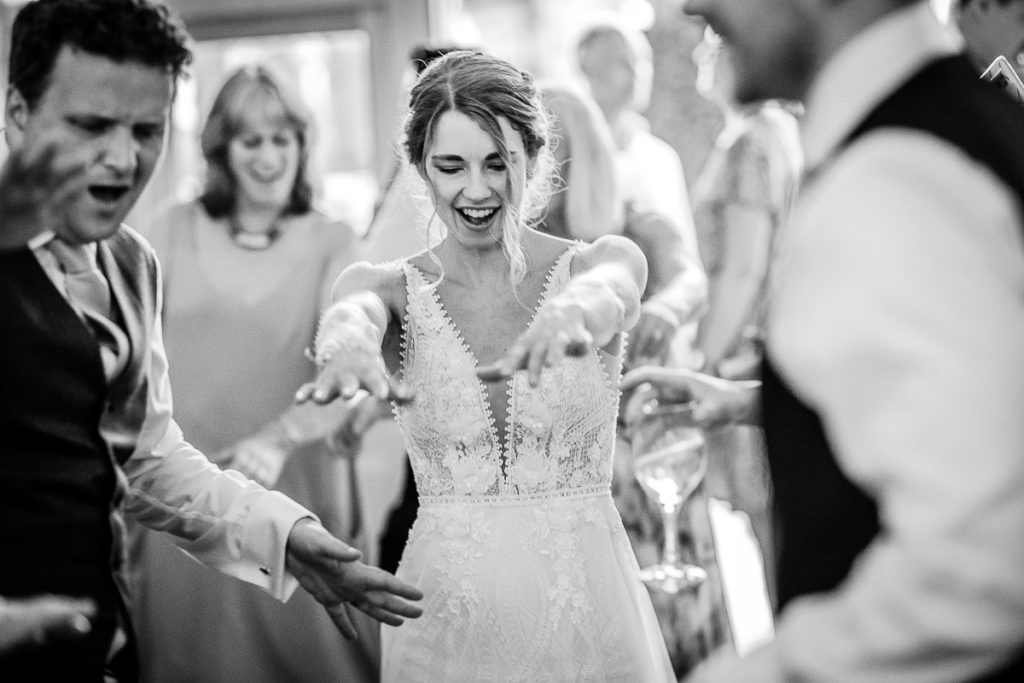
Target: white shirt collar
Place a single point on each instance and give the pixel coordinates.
(866, 70)
(37, 244)
(41, 240)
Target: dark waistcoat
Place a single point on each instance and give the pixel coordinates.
(825, 519)
(63, 435)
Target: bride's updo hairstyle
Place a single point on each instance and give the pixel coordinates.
(485, 88)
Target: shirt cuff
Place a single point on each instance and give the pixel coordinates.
(265, 542)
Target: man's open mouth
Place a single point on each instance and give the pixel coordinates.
(108, 193)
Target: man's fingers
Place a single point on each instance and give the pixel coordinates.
(397, 606)
(336, 550)
(391, 588)
(382, 615)
(339, 615)
(313, 544)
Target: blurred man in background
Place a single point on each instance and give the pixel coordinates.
(991, 28)
(893, 378)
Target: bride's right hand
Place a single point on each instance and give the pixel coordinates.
(346, 372)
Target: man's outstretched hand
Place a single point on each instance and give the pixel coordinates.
(37, 182)
(332, 573)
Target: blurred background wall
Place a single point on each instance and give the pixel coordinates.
(348, 58)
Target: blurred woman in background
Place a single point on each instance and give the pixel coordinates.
(740, 201)
(589, 203)
(247, 267)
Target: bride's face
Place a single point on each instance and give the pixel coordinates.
(470, 182)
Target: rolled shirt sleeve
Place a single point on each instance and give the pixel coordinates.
(218, 517)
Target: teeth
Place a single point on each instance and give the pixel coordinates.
(478, 213)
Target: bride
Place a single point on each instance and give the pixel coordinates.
(510, 342)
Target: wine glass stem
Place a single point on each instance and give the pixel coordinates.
(670, 517)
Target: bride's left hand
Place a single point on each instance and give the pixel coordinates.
(558, 330)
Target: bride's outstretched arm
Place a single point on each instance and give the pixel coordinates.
(600, 301)
(348, 342)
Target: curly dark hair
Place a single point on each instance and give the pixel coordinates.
(121, 30)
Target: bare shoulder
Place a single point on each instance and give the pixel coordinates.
(610, 249)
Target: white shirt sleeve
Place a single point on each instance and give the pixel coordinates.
(221, 518)
(901, 320)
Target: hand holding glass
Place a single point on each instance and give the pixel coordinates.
(669, 461)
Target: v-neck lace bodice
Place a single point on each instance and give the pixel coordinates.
(526, 571)
(558, 435)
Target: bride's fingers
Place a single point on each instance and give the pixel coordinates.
(305, 392)
(348, 386)
(400, 392)
(495, 372)
(503, 368)
(557, 350)
(536, 359)
(580, 344)
(375, 381)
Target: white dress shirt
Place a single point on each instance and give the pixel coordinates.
(900, 319)
(221, 518)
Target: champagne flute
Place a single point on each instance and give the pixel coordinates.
(669, 461)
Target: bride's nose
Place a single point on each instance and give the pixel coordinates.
(476, 188)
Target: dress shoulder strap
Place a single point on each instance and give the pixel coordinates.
(561, 272)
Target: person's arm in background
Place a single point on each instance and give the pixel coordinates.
(716, 402)
(758, 179)
(737, 289)
(677, 287)
(901, 320)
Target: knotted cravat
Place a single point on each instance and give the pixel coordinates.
(89, 293)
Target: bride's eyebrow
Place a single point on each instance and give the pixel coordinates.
(493, 156)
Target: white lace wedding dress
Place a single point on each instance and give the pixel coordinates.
(527, 571)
